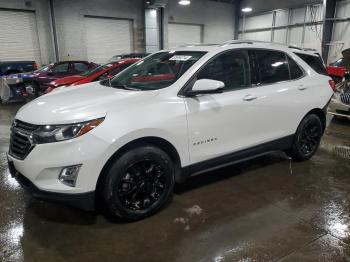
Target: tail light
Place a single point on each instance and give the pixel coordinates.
(35, 66)
(332, 84)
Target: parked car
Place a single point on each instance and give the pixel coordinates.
(176, 113)
(128, 55)
(15, 67)
(340, 103)
(41, 78)
(99, 73)
(337, 70)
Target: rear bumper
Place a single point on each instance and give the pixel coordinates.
(84, 201)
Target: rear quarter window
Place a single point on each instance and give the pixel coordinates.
(315, 62)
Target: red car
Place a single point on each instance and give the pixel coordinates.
(337, 70)
(102, 72)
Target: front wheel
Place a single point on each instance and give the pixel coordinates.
(307, 138)
(138, 183)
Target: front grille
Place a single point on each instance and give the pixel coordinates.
(345, 98)
(20, 144)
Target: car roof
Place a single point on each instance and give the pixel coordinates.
(233, 44)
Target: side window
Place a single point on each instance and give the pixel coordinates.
(60, 68)
(295, 70)
(81, 67)
(315, 62)
(232, 68)
(273, 66)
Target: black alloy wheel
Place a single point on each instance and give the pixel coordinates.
(138, 183)
(141, 185)
(307, 138)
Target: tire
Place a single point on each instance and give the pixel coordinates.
(307, 138)
(138, 184)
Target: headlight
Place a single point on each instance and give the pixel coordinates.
(56, 133)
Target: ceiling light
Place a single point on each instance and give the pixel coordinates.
(247, 9)
(184, 2)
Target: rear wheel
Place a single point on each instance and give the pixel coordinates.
(138, 183)
(307, 138)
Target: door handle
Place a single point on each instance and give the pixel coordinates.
(249, 97)
(302, 87)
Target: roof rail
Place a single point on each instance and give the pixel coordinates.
(302, 48)
(195, 44)
(231, 42)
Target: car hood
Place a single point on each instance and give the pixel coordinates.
(67, 80)
(346, 55)
(81, 103)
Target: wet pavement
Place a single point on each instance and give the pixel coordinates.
(267, 209)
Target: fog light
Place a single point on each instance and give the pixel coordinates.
(68, 175)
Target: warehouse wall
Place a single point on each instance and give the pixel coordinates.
(288, 26)
(41, 9)
(341, 31)
(70, 22)
(217, 19)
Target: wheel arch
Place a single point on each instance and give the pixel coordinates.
(321, 114)
(158, 142)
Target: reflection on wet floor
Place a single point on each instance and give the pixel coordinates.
(261, 210)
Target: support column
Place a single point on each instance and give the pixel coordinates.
(329, 12)
(53, 30)
(237, 18)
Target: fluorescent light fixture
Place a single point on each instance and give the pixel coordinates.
(184, 2)
(247, 9)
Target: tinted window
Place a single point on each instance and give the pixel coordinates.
(315, 62)
(60, 68)
(232, 68)
(295, 70)
(273, 66)
(81, 67)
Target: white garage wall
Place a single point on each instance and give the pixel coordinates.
(70, 23)
(217, 19)
(262, 27)
(42, 18)
(341, 31)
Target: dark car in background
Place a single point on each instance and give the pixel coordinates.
(40, 79)
(15, 67)
(99, 73)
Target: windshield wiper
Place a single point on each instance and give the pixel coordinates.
(125, 87)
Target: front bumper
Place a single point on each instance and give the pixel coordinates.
(39, 171)
(337, 108)
(85, 201)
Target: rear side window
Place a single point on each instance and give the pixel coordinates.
(315, 62)
(272, 65)
(295, 70)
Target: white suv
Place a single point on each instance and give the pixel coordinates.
(176, 113)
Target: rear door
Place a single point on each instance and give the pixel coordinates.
(279, 94)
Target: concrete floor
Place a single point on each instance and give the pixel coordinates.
(267, 209)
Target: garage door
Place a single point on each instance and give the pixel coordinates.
(18, 36)
(107, 37)
(180, 34)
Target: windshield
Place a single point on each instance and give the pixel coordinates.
(155, 72)
(96, 70)
(43, 68)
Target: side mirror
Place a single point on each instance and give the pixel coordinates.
(206, 86)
